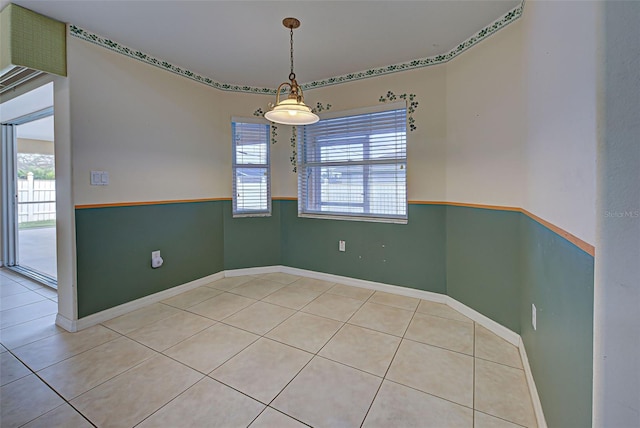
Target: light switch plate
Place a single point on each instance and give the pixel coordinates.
(96, 178)
(99, 178)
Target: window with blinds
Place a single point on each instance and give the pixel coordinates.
(251, 169)
(355, 167)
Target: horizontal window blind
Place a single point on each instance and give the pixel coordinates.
(355, 166)
(251, 169)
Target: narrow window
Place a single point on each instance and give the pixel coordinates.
(251, 169)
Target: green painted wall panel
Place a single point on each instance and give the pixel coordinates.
(558, 278)
(251, 241)
(114, 246)
(483, 269)
(410, 255)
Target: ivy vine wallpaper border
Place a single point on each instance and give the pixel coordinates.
(501, 22)
(412, 105)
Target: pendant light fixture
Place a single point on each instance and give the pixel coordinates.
(291, 111)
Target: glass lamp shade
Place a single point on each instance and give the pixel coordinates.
(291, 112)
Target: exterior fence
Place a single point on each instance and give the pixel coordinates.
(36, 199)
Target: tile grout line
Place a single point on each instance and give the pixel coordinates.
(208, 375)
(501, 418)
(499, 363)
(314, 355)
(25, 304)
(66, 358)
(36, 319)
(473, 385)
(164, 319)
(437, 346)
(430, 394)
(390, 364)
(170, 401)
(64, 400)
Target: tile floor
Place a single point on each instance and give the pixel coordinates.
(272, 350)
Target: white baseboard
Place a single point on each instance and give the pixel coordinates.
(66, 323)
(533, 391)
(371, 285)
(116, 311)
(253, 271)
(496, 328)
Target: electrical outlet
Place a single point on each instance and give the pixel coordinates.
(155, 254)
(534, 316)
(342, 246)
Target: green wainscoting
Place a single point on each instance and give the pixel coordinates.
(114, 245)
(251, 241)
(483, 264)
(558, 278)
(411, 255)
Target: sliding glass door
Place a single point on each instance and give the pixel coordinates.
(29, 194)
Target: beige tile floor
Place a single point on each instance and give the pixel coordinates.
(272, 350)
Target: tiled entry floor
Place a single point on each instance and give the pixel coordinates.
(273, 350)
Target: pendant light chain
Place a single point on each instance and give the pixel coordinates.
(292, 110)
(292, 76)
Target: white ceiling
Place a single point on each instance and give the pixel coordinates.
(244, 42)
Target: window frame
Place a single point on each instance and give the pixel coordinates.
(235, 166)
(366, 217)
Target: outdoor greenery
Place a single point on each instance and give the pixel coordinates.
(35, 224)
(42, 166)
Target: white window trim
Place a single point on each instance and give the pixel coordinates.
(268, 213)
(364, 218)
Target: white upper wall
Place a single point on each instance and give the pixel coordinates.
(485, 122)
(560, 47)
(164, 137)
(521, 117)
(160, 136)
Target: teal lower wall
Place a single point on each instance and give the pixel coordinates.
(114, 245)
(483, 263)
(558, 278)
(251, 241)
(499, 263)
(496, 262)
(411, 255)
(197, 239)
